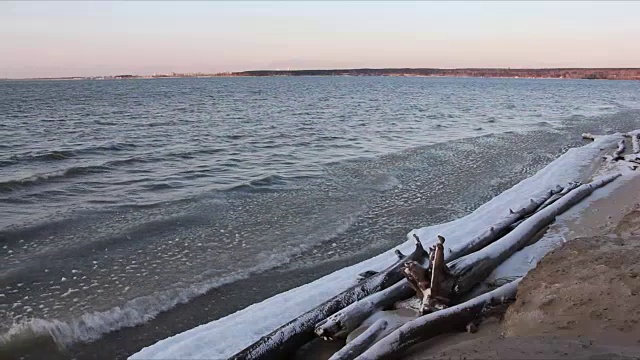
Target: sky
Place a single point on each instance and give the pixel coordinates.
(55, 39)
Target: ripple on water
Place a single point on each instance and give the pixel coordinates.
(170, 204)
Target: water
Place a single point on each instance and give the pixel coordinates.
(124, 199)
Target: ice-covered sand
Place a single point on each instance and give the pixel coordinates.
(224, 337)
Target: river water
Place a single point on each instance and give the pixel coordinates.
(167, 203)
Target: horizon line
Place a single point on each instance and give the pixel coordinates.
(231, 73)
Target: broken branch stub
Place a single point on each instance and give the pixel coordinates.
(617, 155)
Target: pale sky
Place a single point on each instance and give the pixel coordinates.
(48, 38)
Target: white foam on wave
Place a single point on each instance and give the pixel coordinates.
(91, 326)
(224, 337)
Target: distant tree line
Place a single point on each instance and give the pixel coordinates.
(560, 73)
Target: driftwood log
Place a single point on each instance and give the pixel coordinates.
(340, 324)
(448, 276)
(499, 229)
(360, 344)
(555, 197)
(420, 279)
(455, 318)
(551, 200)
(434, 293)
(473, 268)
(285, 340)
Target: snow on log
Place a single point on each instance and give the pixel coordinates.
(373, 332)
(635, 141)
(555, 197)
(428, 326)
(340, 324)
(343, 322)
(473, 268)
(617, 155)
(551, 200)
(588, 136)
(378, 330)
(500, 228)
(289, 337)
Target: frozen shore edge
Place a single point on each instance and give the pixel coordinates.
(224, 337)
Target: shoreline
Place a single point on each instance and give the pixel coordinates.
(127, 341)
(119, 343)
(580, 301)
(261, 318)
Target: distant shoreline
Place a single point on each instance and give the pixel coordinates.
(551, 73)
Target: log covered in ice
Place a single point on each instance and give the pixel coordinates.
(500, 228)
(288, 338)
(473, 268)
(455, 318)
(360, 344)
(348, 319)
(340, 324)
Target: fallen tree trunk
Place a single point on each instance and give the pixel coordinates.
(340, 324)
(343, 322)
(551, 200)
(455, 318)
(473, 268)
(376, 331)
(285, 340)
(555, 197)
(470, 270)
(497, 230)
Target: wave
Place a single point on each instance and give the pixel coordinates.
(37, 179)
(74, 171)
(267, 183)
(91, 326)
(56, 155)
(48, 156)
(192, 154)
